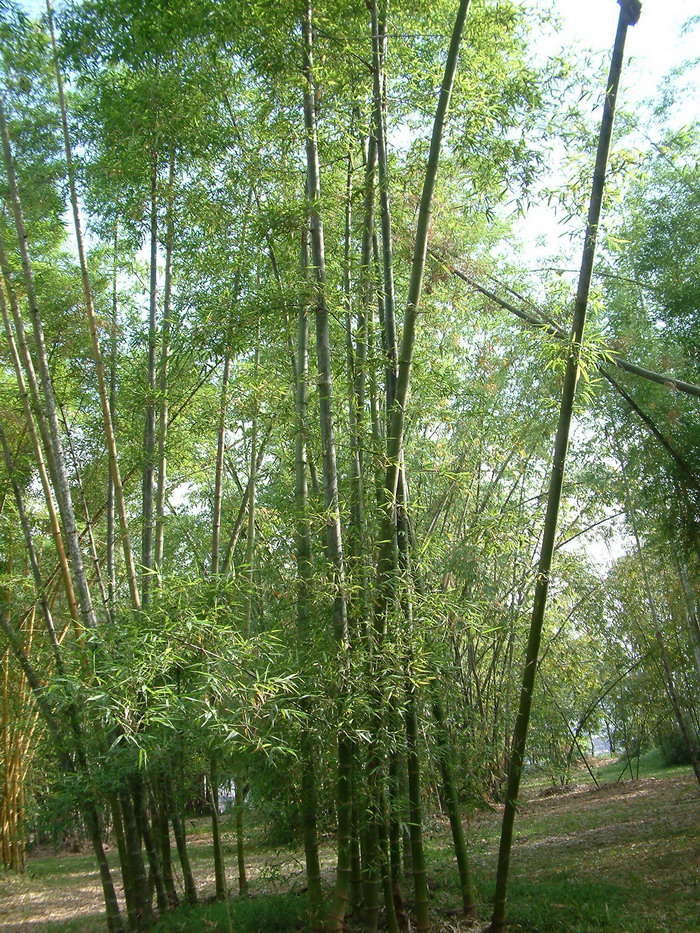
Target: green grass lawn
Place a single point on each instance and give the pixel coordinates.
(623, 857)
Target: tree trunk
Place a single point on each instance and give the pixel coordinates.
(161, 831)
(144, 825)
(137, 870)
(444, 751)
(240, 796)
(692, 616)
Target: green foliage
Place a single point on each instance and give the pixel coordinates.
(673, 746)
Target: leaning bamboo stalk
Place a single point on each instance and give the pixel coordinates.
(88, 523)
(629, 14)
(549, 326)
(31, 552)
(55, 451)
(38, 455)
(93, 328)
(541, 322)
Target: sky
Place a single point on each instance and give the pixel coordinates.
(653, 47)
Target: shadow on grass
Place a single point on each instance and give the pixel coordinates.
(271, 913)
(562, 905)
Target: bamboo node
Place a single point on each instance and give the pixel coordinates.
(632, 9)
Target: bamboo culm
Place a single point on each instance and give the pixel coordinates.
(629, 13)
(54, 450)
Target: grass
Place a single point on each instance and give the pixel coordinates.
(650, 764)
(623, 858)
(273, 913)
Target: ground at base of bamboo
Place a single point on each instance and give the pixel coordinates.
(621, 857)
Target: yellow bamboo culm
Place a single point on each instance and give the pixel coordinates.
(19, 744)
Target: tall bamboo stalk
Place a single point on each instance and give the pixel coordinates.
(55, 448)
(166, 326)
(219, 868)
(219, 467)
(386, 570)
(93, 327)
(252, 482)
(29, 416)
(110, 557)
(221, 433)
(180, 838)
(334, 539)
(378, 25)
(149, 428)
(304, 590)
(629, 14)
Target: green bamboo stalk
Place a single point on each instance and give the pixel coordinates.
(219, 870)
(629, 14)
(180, 839)
(149, 430)
(32, 409)
(379, 41)
(334, 540)
(163, 411)
(92, 324)
(54, 450)
(304, 589)
(386, 569)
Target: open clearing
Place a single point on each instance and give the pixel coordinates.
(623, 857)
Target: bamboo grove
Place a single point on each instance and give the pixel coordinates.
(277, 420)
